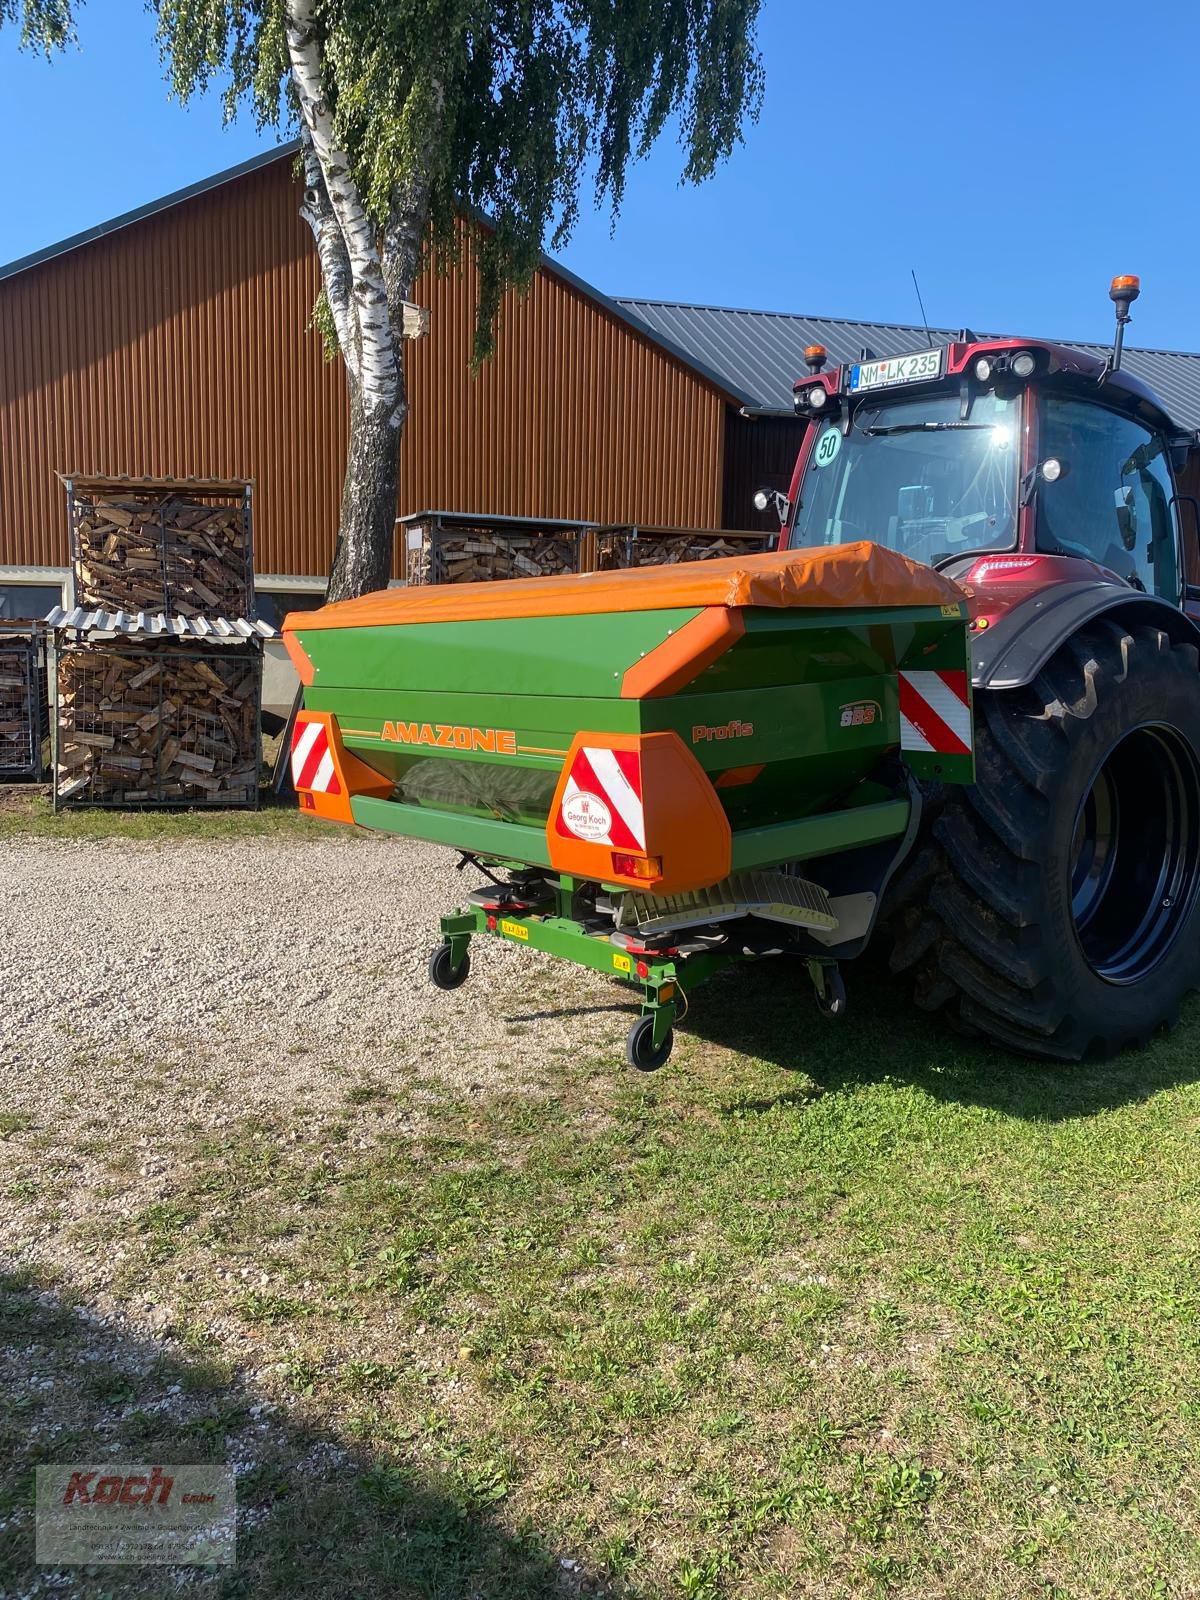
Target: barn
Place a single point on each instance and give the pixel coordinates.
(177, 340)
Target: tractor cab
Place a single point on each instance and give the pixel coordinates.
(1008, 464)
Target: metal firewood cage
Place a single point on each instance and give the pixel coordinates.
(151, 747)
(22, 703)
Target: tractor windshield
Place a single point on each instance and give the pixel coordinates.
(915, 475)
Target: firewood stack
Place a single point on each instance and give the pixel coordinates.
(156, 722)
(148, 550)
(653, 547)
(142, 717)
(457, 547)
(20, 754)
(469, 554)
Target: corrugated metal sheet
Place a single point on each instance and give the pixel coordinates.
(179, 343)
(158, 624)
(762, 352)
(176, 346)
(577, 416)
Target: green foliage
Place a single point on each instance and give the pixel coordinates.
(498, 109)
(46, 25)
(322, 322)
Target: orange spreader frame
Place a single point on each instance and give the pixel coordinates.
(685, 825)
(354, 776)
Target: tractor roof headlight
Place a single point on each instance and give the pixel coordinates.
(983, 369)
(1024, 364)
(817, 398)
(762, 499)
(1052, 469)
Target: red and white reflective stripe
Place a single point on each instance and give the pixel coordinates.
(613, 778)
(935, 713)
(312, 760)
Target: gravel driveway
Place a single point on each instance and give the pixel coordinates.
(263, 970)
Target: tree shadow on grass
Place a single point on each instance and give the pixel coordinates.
(315, 1516)
(766, 1010)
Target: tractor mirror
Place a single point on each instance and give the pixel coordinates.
(1126, 516)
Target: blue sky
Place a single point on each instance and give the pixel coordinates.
(1016, 155)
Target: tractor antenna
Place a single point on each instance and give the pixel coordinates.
(921, 303)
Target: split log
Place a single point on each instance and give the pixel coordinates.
(143, 723)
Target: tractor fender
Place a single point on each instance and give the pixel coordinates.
(1012, 652)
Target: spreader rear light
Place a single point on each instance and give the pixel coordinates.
(644, 867)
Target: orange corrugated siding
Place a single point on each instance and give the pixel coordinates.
(180, 345)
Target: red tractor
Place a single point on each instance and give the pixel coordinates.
(1054, 905)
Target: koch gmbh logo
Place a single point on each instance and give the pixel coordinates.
(182, 1515)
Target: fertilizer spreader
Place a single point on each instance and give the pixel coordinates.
(658, 772)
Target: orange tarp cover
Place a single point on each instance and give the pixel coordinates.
(857, 575)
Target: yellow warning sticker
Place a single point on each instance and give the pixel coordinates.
(952, 611)
(515, 930)
(622, 963)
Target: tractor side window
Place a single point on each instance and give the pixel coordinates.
(1112, 502)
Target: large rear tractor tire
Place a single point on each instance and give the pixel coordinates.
(1055, 906)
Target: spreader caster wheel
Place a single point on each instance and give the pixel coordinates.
(442, 974)
(640, 1051)
(831, 994)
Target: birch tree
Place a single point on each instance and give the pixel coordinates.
(420, 117)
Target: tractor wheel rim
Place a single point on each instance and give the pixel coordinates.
(1135, 853)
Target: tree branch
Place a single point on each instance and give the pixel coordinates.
(331, 250)
(407, 222)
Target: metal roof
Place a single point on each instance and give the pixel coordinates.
(157, 624)
(762, 352)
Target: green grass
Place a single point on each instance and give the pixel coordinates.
(26, 813)
(819, 1310)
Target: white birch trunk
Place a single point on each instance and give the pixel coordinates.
(375, 360)
(368, 273)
